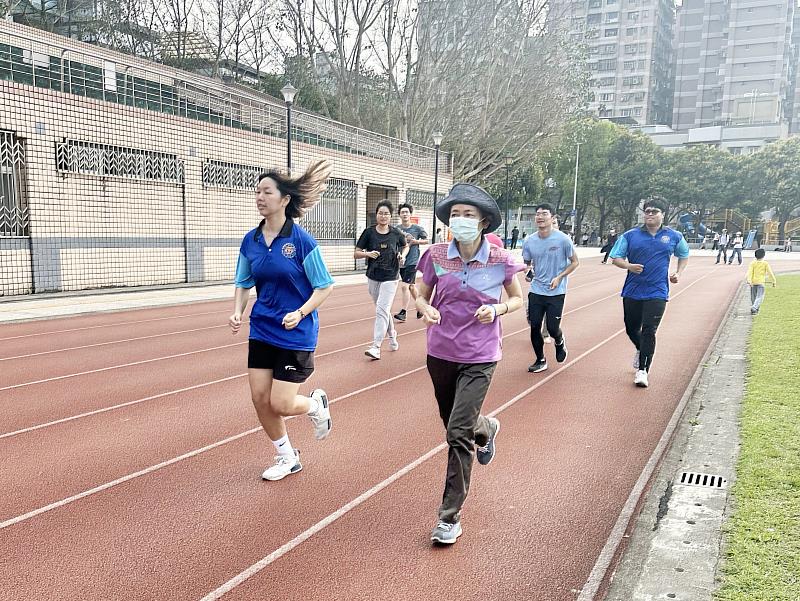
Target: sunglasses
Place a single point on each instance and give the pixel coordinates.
(652, 211)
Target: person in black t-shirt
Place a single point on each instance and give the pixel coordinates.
(385, 249)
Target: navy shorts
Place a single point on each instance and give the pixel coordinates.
(286, 365)
(408, 274)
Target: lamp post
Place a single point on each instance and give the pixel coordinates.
(575, 188)
(509, 161)
(437, 142)
(288, 92)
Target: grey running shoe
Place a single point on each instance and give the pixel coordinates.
(539, 365)
(486, 454)
(636, 360)
(446, 533)
(393, 344)
(284, 466)
(321, 418)
(561, 350)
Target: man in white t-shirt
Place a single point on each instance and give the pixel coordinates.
(738, 244)
(724, 238)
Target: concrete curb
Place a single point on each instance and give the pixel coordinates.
(675, 544)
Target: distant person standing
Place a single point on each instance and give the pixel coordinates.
(787, 244)
(758, 273)
(552, 256)
(593, 238)
(738, 243)
(715, 246)
(415, 237)
(722, 249)
(514, 237)
(645, 253)
(385, 249)
(585, 239)
(612, 239)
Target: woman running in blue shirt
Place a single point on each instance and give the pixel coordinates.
(284, 263)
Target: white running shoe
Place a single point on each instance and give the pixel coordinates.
(373, 352)
(393, 344)
(548, 340)
(636, 360)
(321, 418)
(284, 466)
(641, 378)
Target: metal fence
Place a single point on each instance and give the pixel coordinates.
(89, 158)
(113, 77)
(14, 219)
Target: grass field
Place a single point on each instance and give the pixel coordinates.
(763, 536)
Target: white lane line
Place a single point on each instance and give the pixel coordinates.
(108, 325)
(151, 469)
(361, 499)
(112, 367)
(123, 479)
(171, 392)
(96, 344)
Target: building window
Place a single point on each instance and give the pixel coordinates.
(14, 218)
(595, 3)
(610, 33)
(625, 112)
(612, 17)
(630, 31)
(633, 15)
(607, 97)
(607, 65)
(593, 19)
(637, 111)
(606, 81)
(218, 174)
(73, 156)
(629, 65)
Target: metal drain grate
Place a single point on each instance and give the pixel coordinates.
(707, 480)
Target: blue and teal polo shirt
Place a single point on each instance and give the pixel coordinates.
(285, 275)
(653, 251)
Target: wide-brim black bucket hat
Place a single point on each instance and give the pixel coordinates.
(476, 196)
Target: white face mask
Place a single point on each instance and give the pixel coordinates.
(465, 229)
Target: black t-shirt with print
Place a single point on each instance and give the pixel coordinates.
(387, 266)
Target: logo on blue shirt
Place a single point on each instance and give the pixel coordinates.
(288, 250)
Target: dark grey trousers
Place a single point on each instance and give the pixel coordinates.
(460, 389)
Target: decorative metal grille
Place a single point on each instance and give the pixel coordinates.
(334, 218)
(73, 156)
(218, 174)
(420, 199)
(14, 218)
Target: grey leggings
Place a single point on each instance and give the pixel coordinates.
(382, 294)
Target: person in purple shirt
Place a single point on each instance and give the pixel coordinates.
(468, 276)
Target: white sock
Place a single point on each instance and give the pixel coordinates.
(313, 405)
(283, 446)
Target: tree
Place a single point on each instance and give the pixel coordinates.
(774, 179)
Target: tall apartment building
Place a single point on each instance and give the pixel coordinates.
(735, 63)
(629, 46)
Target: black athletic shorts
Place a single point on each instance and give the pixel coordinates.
(286, 365)
(408, 274)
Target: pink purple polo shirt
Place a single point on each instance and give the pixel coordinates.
(460, 288)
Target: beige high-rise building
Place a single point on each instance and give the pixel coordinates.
(629, 46)
(735, 64)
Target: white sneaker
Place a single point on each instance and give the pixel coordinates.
(373, 352)
(321, 418)
(393, 344)
(548, 340)
(284, 466)
(641, 378)
(636, 360)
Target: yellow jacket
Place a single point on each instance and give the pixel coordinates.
(758, 271)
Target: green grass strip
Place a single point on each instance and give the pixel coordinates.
(763, 536)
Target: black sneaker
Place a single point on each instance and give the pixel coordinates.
(561, 350)
(486, 454)
(446, 533)
(401, 316)
(538, 366)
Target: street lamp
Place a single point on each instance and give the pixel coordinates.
(288, 92)
(575, 187)
(437, 142)
(509, 161)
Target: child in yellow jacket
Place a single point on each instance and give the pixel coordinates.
(758, 273)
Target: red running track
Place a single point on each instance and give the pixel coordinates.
(131, 456)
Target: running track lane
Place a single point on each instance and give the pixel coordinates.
(226, 489)
(94, 450)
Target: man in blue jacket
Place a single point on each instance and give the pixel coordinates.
(645, 252)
